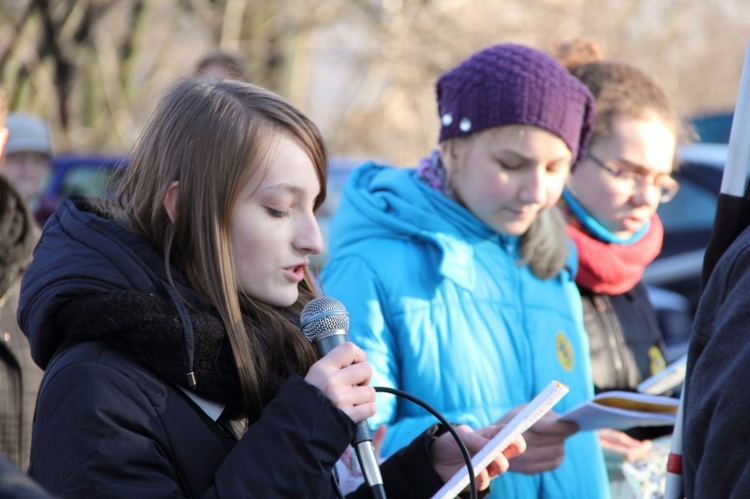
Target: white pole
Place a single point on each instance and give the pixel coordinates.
(738, 153)
(673, 486)
(733, 183)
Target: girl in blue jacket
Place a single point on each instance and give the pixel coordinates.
(458, 276)
(168, 321)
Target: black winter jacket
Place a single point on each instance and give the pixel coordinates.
(113, 418)
(626, 342)
(126, 432)
(716, 436)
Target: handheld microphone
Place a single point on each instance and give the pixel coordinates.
(325, 322)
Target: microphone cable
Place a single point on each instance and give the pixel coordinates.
(325, 322)
(434, 412)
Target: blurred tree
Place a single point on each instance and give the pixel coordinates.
(363, 69)
(91, 67)
(695, 48)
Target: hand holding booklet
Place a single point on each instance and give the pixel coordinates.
(622, 410)
(530, 414)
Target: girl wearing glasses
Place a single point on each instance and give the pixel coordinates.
(610, 203)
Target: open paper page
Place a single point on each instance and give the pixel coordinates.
(521, 422)
(666, 380)
(623, 410)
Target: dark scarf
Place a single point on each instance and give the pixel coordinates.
(150, 328)
(609, 267)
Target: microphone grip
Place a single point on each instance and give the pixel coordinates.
(362, 441)
(369, 465)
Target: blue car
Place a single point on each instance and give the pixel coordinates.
(86, 175)
(688, 221)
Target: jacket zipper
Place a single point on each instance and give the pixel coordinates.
(610, 327)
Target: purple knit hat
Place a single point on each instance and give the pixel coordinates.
(514, 84)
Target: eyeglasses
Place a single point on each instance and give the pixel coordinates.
(628, 181)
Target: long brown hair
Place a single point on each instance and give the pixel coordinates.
(213, 137)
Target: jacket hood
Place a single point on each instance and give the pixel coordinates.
(380, 202)
(82, 252)
(89, 273)
(92, 279)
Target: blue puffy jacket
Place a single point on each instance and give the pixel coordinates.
(444, 311)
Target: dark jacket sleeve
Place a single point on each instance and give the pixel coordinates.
(716, 457)
(100, 432)
(122, 432)
(291, 450)
(95, 433)
(409, 472)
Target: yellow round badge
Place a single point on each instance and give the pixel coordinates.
(656, 360)
(565, 355)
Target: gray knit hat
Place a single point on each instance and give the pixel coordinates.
(513, 84)
(27, 133)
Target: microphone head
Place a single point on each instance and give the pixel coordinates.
(323, 315)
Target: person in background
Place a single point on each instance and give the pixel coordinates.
(28, 162)
(610, 204)
(19, 376)
(168, 321)
(220, 64)
(458, 275)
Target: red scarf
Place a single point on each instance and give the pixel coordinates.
(613, 269)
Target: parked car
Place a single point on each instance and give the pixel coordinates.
(339, 169)
(688, 221)
(674, 277)
(713, 127)
(87, 175)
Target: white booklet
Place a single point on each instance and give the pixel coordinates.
(521, 422)
(623, 410)
(667, 380)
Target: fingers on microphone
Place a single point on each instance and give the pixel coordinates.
(355, 374)
(358, 402)
(347, 354)
(347, 396)
(361, 412)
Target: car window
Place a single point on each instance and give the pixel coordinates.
(339, 170)
(693, 208)
(86, 180)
